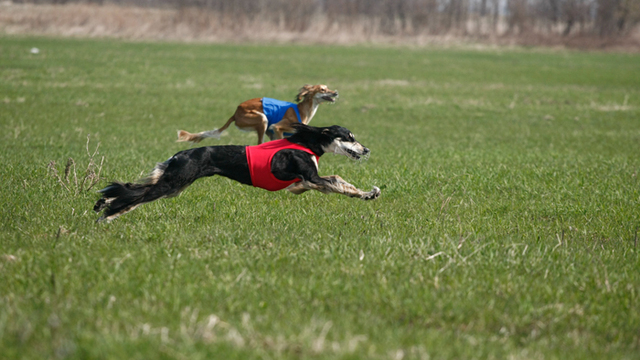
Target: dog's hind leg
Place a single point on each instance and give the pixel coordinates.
(119, 198)
(333, 184)
(166, 180)
(261, 129)
(171, 177)
(253, 120)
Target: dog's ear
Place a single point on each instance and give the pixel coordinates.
(303, 92)
(306, 130)
(327, 133)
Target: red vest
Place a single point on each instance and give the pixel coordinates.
(259, 158)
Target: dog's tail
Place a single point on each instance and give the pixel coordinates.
(196, 138)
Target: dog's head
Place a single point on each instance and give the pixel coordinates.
(319, 93)
(332, 139)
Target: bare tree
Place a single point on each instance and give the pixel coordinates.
(605, 18)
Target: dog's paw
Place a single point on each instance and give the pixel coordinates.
(373, 194)
(100, 204)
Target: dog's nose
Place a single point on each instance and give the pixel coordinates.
(366, 151)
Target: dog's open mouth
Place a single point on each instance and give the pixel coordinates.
(330, 98)
(358, 155)
(355, 155)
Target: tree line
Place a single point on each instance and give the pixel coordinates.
(603, 18)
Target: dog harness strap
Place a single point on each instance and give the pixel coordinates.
(259, 158)
(274, 110)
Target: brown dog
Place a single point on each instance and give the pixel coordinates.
(273, 117)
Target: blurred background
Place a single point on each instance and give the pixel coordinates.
(570, 23)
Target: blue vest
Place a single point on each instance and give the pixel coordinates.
(275, 109)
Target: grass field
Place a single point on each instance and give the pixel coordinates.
(507, 226)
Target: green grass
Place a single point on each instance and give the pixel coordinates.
(507, 225)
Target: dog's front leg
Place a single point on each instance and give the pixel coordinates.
(335, 184)
(297, 188)
(277, 131)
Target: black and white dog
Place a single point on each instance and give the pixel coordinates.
(288, 163)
